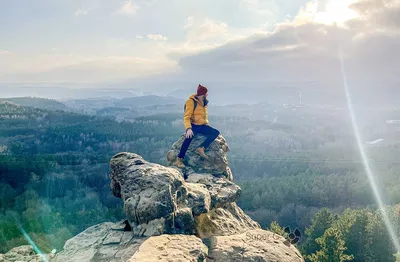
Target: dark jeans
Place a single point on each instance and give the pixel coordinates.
(210, 133)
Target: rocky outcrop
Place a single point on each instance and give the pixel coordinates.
(199, 198)
(154, 196)
(217, 163)
(254, 245)
(222, 221)
(22, 254)
(171, 248)
(222, 191)
(107, 242)
(170, 218)
(157, 200)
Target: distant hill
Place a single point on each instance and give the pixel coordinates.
(95, 105)
(65, 91)
(112, 110)
(145, 101)
(43, 103)
(29, 130)
(34, 117)
(119, 113)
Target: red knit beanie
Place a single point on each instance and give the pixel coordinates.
(201, 90)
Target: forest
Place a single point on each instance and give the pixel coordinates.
(300, 168)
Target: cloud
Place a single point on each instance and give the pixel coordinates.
(116, 42)
(5, 52)
(326, 12)
(81, 11)
(128, 8)
(205, 29)
(189, 22)
(306, 48)
(204, 34)
(93, 70)
(377, 15)
(157, 37)
(220, 45)
(260, 7)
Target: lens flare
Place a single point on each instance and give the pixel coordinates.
(37, 250)
(368, 170)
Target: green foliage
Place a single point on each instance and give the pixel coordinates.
(38, 102)
(54, 168)
(380, 246)
(357, 234)
(320, 223)
(332, 248)
(277, 229)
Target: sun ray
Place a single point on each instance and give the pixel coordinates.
(364, 158)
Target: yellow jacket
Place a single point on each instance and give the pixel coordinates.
(199, 116)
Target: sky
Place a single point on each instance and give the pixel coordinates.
(97, 41)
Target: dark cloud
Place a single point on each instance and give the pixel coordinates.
(370, 44)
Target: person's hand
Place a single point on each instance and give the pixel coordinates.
(189, 133)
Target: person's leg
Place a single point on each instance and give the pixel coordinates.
(184, 147)
(187, 142)
(210, 133)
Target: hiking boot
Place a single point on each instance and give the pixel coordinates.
(179, 163)
(200, 151)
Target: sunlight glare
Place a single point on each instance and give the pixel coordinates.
(336, 11)
(35, 248)
(363, 155)
(331, 12)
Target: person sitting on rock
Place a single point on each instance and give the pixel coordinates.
(196, 122)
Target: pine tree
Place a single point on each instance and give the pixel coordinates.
(277, 229)
(320, 223)
(332, 248)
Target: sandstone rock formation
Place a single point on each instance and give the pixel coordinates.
(254, 245)
(22, 254)
(157, 200)
(217, 164)
(171, 248)
(222, 221)
(169, 218)
(154, 196)
(109, 242)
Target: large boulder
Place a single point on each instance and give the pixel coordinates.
(222, 191)
(227, 220)
(171, 248)
(22, 254)
(157, 200)
(107, 242)
(155, 197)
(255, 245)
(199, 198)
(217, 162)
